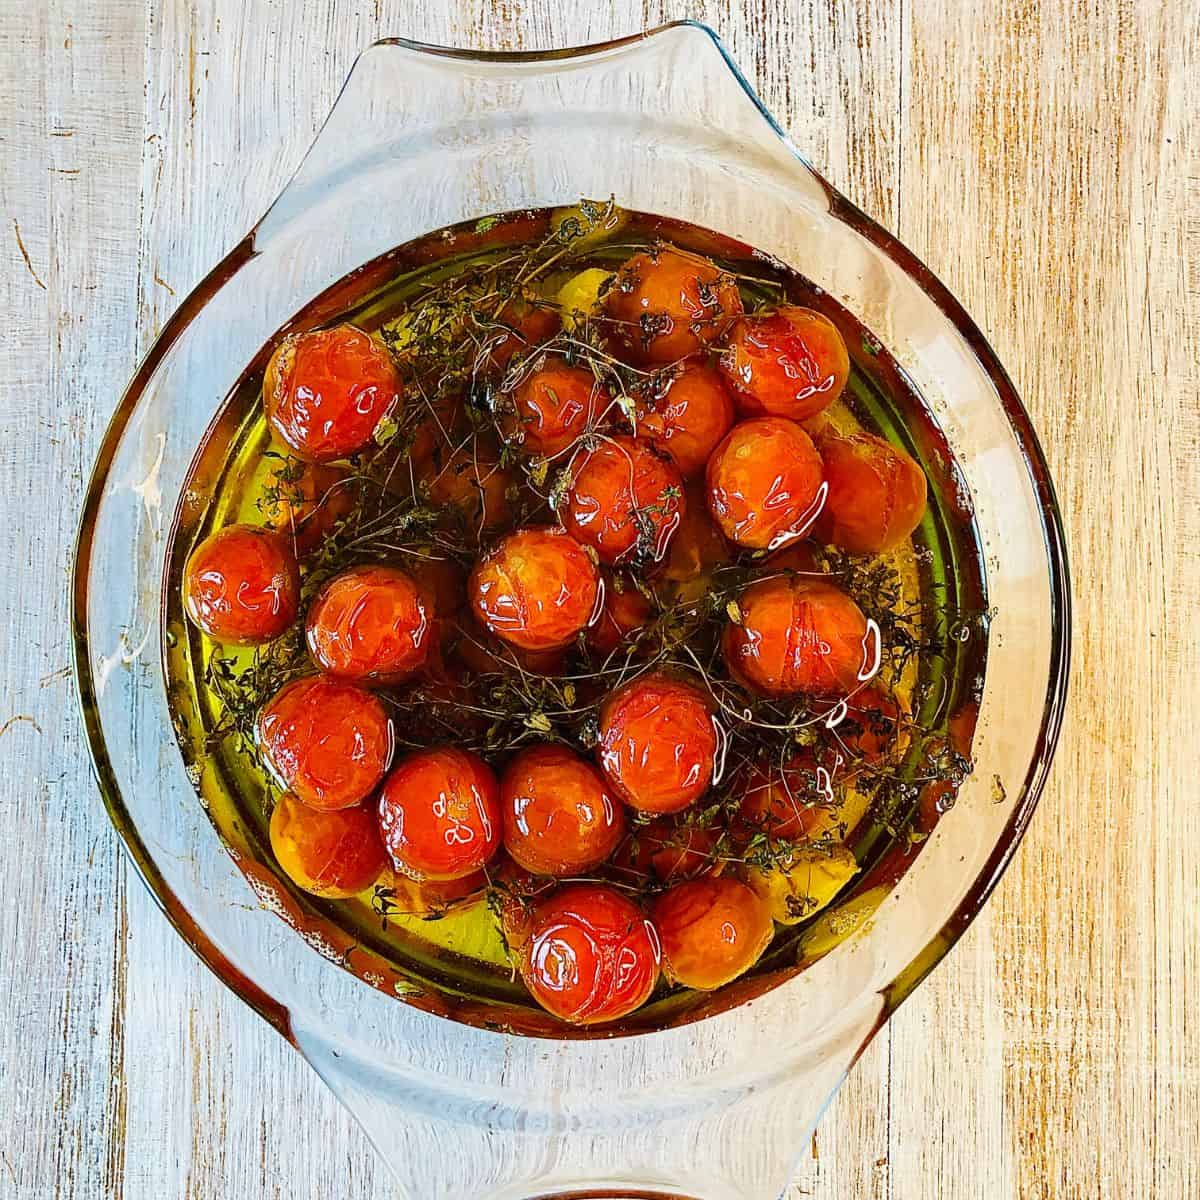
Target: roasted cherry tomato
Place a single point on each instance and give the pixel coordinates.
(515, 894)
(626, 501)
(537, 589)
(712, 930)
(765, 484)
(242, 585)
(439, 812)
(876, 494)
(472, 480)
(329, 741)
(623, 616)
(590, 955)
(698, 545)
(659, 743)
(867, 731)
(553, 405)
(560, 817)
(686, 412)
(370, 624)
(330, 854)
(672, 850)
(325, 391)
(482, 653)
(521, 325)
(666, 304)
(799, 635)
(790, 363)
(792, 802)
(304, 501)
(443, 582)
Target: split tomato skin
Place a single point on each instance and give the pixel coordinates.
(560, 815)
(790, 363)
(241, 585)
(687, 414)
(590, 955)
(799, 636)
(765, 483)
(667, 303)
(439, 813)
(370, 624)
(659, 743)
(536, 590)
(626, 501)
(877, 494)
(333, 855)
(554, 405)
(712, 930)
(325, 391)
(329, 742)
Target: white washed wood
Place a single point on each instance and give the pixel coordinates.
(1042, 159)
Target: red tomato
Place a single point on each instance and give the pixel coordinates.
(659, 743)
(242, 585)
(876, 494)
(471, 480)
(305, 501)
(483, 654)
(441, 580)
(325, 391)
(625, 613)
(553, 405)
(793, 803)
(330, 854)
(590, 955)
(515, 895)
(791, 363)
(698, 544)
(687, 414)
(672, 850)
(537, 589)
(712, 930)
(439, 812)
(867, 730)
(799, 635)
(423, 897)
(370, 624)
(626, 501)
(765, 484)
(329, 742)
(667, 304)
(520, 326)
(559, 818)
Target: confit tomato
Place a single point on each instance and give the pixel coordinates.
(626, 501)
(670, 849)
(554, 405)
(792, 802)
(241, 585)
(328, 741)
(876, 497)
(666, 304)
(765, 483)
(687, 412)
(439, 812)
(698, 545)
(325, 391)
(521, 325)
(536, 590)
(370, 624)
(589, 955)
(867, 731)
(330, 854)
(560, 817)
(712, 930)
(471, 480)
(659, 743)
(304, 501)
(799, 635)
(624, 614)
(789, 363)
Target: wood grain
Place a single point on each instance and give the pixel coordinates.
(1043, 159)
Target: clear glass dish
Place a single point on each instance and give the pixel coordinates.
(718, 1108)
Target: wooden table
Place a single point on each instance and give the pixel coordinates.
(1043, 159)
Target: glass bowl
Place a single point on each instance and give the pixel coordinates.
(424, 137)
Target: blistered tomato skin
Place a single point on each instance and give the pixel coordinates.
(590, 955)
(624, 614)
(659, 743)
(536, 590)
(712, 930)
(765, 483)
(305, 505)
(371, 625)
(877, 494)
(626, 501)
(241, 585)
(439, 812)
(790, 363)
(329, 854)
(560, 816)
(554, 405)
(325, 391)
(328, 741)
(666, 304)
(687, 415)
(797, 635)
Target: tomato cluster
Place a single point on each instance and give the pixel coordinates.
(704, 463)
